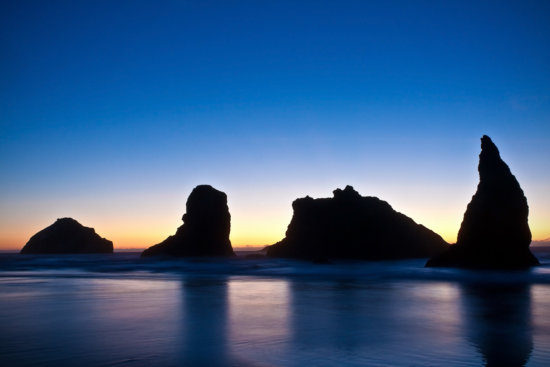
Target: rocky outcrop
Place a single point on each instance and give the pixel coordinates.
(205, 229)
(350, 226)
(494, 232)
(67, 236)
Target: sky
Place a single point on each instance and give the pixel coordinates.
(112, 111)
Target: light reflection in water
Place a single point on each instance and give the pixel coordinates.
(258, 311)
(437, 309)
(540, 316)
(130, 315)
(57, 321)
(252, 321)
(258, 318)
(231, 321)
(497, 321)
(382, 323)
(204, 339)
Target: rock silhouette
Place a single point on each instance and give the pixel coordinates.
(205, 228)
(354, 227)
(497, 320)
(67, 236)
(494, 232)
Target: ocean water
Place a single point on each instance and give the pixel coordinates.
(120, 310)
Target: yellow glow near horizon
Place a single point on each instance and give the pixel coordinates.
(259, 233)
(246, 231)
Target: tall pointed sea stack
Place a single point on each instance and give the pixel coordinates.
(494, 232)
(67, 236)
(205, 231)
(350, 226)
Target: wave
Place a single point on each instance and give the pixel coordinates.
(131, 265)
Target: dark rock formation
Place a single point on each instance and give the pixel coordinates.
(205, 231)
(67, 236)
(353, 227)
(494, 232)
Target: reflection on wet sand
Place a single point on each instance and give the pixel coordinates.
(332, 315)
(372, 324)
(204, 322)
(259, 316)
(497, 321)
(230, 322)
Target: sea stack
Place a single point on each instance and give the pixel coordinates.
(349, 226)
(494, 232)
(67, 236)
(205, 228)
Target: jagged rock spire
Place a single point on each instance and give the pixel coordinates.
(495, 231)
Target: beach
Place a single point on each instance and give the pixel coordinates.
(120, 310)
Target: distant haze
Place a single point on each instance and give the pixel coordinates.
(545, 242)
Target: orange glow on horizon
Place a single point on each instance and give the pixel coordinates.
(257, 235)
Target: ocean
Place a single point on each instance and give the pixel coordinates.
(121, 310)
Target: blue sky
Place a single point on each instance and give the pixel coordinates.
(112, 111)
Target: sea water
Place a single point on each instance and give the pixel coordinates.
(121, 310)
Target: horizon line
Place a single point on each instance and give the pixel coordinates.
(534, 243)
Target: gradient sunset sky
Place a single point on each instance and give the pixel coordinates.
(112, 111)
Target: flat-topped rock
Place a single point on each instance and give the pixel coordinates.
(495, 231)
(205, 229)
(67, 236)
(350, 226)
